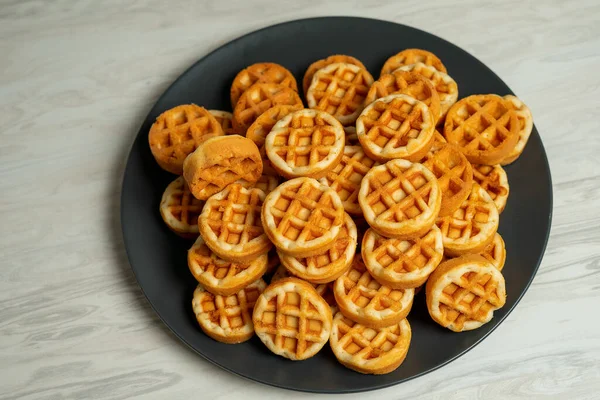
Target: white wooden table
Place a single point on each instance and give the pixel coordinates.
(78, 77)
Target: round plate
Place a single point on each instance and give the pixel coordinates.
(158, 257)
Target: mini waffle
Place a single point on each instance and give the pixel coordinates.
(225, 119)
(396, 126)
(305, 143)
(291, 319)
(495, 252)
(180, 209)
(412, 56)
(340, 90)
(472, 226)
(219, 162)
(484, 127)
(345, 177)
(364, 300)
(329, 265)
(303, 217)
(317, 65)
(178, 132)
(227, 319)
(261, 73)
(368, 350)
(258, 131)
(257, 99)
(409, 83)
(463, 293)
(494, 180)
(400, 199)
(230, 224)
(454, 174)
(220, 276)
(402, 264)
(525, 126)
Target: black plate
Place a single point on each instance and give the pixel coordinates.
(158, 257)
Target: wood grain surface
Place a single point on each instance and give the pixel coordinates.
(78, 77)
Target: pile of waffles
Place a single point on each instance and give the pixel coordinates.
(376, 190)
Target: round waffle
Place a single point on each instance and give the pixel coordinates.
(400, 199)
(329, 265)
(454, 174)
(494, 180)
(291, 319)
(258, 131)
(396, 126)
(178, 132)
(364, 300)
(472, 226)
(351, 136)
(317, 65)
(445, 86)
(305, 143)
(340, 89)
(463, 293)
(484, 128)
(219, 162)
(525, 126)
(257, 99)
(325, 290)
(402, 264)
(180, 210)
(409, 83)
(220, 276)
(495, 252)
(261, 73)
(225, 119)
(303, 217)
(368, 350)
(345, 177)
(230, 224)
(227, 319)
(412, 56)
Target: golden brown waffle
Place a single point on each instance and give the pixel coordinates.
(258, 131)
(484, 128)
(396, 126)
(495, 252)
(367, 350)
(340, 89)
(219, 276)
(409, 83)
(400, 199)
(219, 162)
(402, 264)
(178, 132)
(266, 183)
(494, 180)
(525, 126)
(305, 143)
(230, 224)
(257, 99)
(225, 119)
(303, 217)
(325, 290)
(291, 319)
(445, 86)
(227, 319)
(345, 177)
(351, 136)
(329, 265)
(261, 73)
(463, 293)
(317, 65)
(364, 300)
(412, 56)
(454, 174)
(180, 209)
(472, 226)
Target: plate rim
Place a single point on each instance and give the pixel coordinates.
(307, 390)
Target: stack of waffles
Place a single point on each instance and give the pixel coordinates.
(321, 224)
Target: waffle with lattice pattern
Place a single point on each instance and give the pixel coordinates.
(525, 127)
(261, 73)
(225, 119)
(494, 180)
(412, 56)
(317, 65)
(180, 209)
